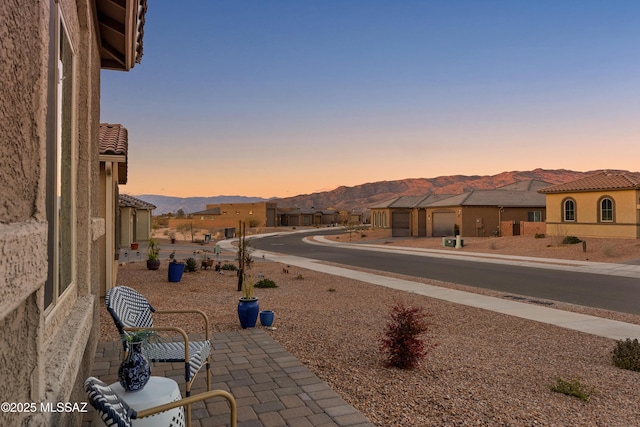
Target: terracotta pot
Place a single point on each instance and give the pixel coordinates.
(134, 246)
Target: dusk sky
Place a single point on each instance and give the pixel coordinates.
(280, 98)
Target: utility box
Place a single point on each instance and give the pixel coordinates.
(450, 242)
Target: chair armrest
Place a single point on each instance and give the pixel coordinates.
(192, 399)
(201, 313)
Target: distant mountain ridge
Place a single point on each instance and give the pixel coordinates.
(364, 195)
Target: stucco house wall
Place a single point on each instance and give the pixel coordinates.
(587, 223)
(259, 214)
(586, 194)
(48, 337)
(46, 351)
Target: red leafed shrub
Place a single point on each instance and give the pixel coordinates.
(400, 343)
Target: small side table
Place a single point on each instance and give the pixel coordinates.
(158, 391)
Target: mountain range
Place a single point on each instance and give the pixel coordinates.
(364, 195)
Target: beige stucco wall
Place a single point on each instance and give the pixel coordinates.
(231, 213)
(626, 215)
(45, 355)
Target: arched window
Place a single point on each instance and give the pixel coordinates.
(569, 210)
(606, 209)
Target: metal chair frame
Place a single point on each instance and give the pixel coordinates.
(131, 311)
(114, 411)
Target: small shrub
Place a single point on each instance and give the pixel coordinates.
(299, 276)
(230, 267)
(331, 290)
(571, 240)
(539, 236)
(626, 354)
(493, 245)
(574, 388)
(400, 343)
(191, 265)
(265, 283)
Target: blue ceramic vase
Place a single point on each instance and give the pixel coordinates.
(266, 317)
(134, 371)
(175, 271)
(248, 312)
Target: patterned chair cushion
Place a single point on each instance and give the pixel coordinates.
(113, 411)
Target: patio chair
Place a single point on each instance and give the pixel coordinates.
(131, 311)
(114, 411)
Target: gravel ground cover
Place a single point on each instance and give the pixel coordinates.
(483, 368)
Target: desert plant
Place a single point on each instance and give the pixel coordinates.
(183, 229)
(229, 267)
(626, 354)
(572, 388)
(265, 283)
(191, 265)
(400, 343)
(539, 236)
(493, 245)
(247, 288)
(153, 250)
(570, 240)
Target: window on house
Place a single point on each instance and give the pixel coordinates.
(534, 216)
(606, 210)
(60, 165)
(569, 210)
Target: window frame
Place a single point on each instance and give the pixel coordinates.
(574, 210)
(601, 209)
(61, 170)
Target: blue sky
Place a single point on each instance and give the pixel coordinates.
(279, 98)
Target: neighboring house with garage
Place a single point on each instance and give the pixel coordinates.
(606, 204)
(474, 213)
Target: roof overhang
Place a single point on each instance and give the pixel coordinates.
(121, 27)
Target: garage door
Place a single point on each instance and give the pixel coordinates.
(400, 224)
(443, 223)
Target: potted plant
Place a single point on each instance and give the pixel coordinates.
(153, 256)
(248, 307)
(172, 236)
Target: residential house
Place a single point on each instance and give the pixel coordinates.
(475, 213)
(606, 204)
(51, 228)
(135, 219)
(228, 215)
(113, 146)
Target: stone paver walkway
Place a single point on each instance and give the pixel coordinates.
(271, 387)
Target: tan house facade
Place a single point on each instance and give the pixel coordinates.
(113, 145)
(478, 213)
(52, 229)
(135, 220)
(605, 204)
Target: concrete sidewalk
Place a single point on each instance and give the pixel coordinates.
(579, 322)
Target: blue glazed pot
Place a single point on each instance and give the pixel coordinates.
(266, 317)
(175, 271)
(248, 312)
(134, 371)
